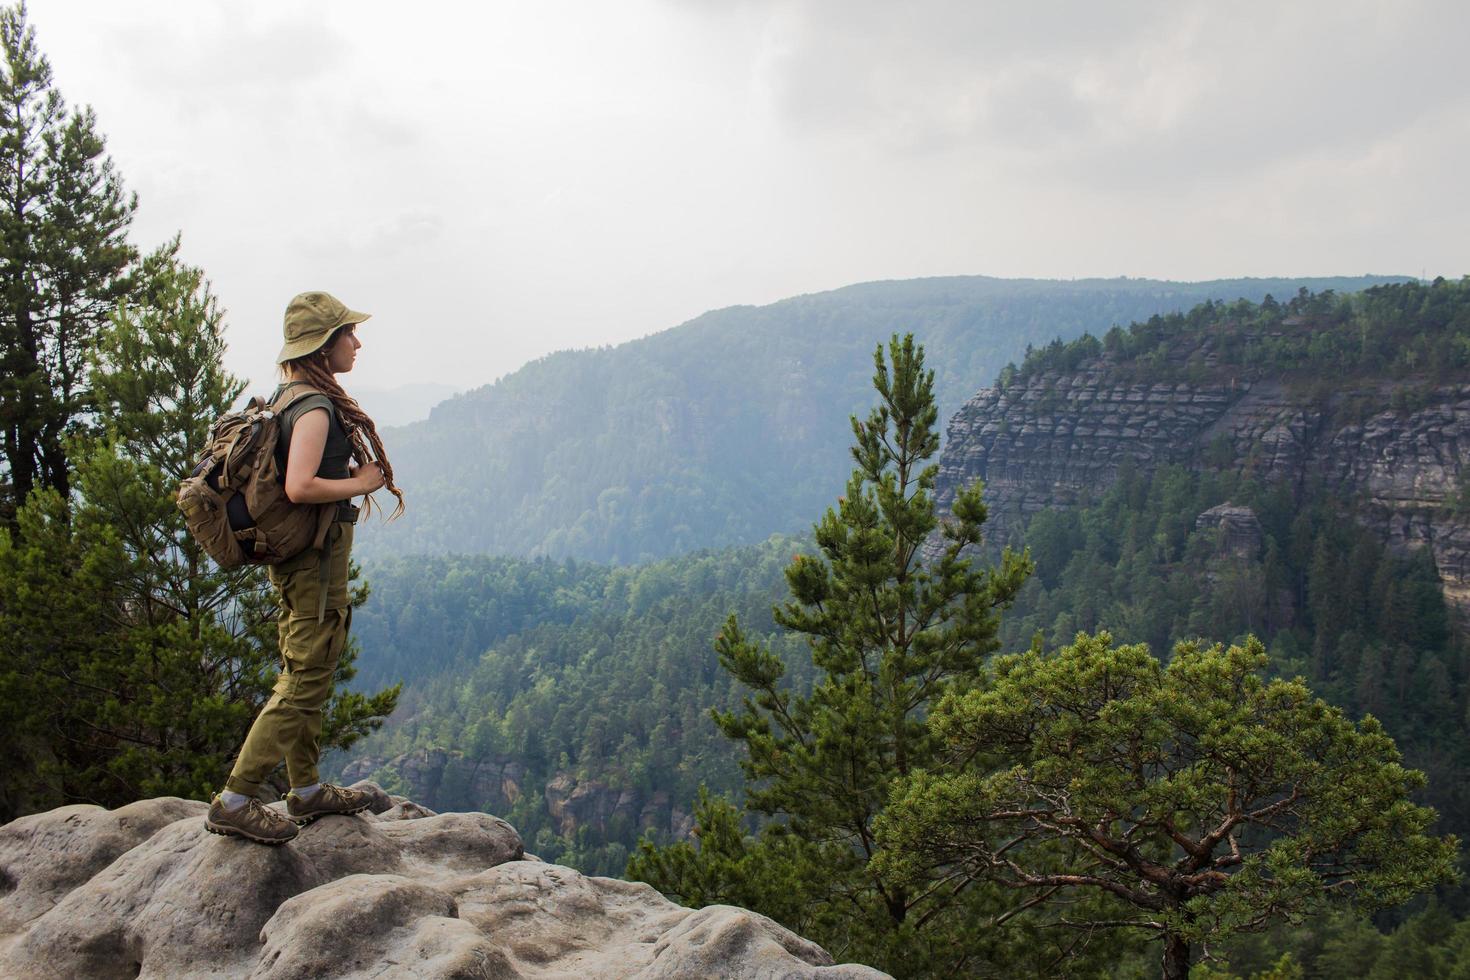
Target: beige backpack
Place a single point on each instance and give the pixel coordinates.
(235, 503)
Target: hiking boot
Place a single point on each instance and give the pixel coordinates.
(253, 821)
(328, 799)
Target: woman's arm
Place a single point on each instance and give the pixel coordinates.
(303, 486)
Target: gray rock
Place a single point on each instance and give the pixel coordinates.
(45, 856)
(407, 810)
(372, 925)
(144, 891)
(382, 802)
(1240, 530)
(1403, 466)
(610, 928)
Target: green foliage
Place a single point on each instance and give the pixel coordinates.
(1390, 330)
(133, 666)
(727, 428)
(1201, 797)
(889, 635)
(1430, 944)
(567, 669)
(731, 868)
(1286, 968)
(64, 262)
(438, 614)
(129, 665)
(1367, 627)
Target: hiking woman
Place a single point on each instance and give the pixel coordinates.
(330, 453)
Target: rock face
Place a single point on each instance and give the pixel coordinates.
(1240, 530)
(144, 891)
(1396, 452)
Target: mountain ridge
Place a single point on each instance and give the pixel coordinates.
(728, 427)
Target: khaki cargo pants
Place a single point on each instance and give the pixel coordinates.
(290, 724)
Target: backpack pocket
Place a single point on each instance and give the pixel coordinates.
(206, 517)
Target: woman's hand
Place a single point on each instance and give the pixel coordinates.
(369, 477)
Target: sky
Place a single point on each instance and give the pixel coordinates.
(497, 181)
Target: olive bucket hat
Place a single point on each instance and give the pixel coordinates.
(310, 320)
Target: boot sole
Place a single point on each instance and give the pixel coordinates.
(304, 820)
(236, 832)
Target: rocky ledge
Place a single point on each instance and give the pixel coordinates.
(144, 891)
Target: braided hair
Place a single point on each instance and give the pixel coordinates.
(366, 445)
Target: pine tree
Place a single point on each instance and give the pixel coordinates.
(1200, 799)
(890, 635)
(64, 262)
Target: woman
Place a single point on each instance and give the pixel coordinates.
(331, 453)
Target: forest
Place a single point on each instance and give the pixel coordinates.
(1367, 628)
(1100, 744)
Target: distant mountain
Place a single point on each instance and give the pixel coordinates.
(401, 405)
(729, 427)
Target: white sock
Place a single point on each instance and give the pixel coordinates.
(305, 792)
(232, 800)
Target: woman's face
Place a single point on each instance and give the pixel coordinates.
(342, 351)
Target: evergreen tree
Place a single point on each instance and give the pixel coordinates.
(64, 262)
(145, 664)
(1199, 799)
(890, 635)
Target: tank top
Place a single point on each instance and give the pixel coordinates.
(338, 450)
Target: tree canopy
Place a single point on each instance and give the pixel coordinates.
(1201, 797)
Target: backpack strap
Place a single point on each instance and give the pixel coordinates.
(282, 402)
(224, 470)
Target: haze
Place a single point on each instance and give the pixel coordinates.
(495, 182)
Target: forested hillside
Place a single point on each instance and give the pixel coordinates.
(527, 671)
(1178, 553)
(608, 673)
(576, 696)
(727, 428)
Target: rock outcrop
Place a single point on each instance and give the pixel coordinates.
(144, 891)
(449, 780)
(1240, 530)
(1396, 452)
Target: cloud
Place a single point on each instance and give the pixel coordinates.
(1126, 95)
(505, 180)
(247, 49)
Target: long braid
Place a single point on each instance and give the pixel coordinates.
(366, 445)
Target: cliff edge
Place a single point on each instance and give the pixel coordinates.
(1396, 453)
(145, 891)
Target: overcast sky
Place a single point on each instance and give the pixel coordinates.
(497, 181)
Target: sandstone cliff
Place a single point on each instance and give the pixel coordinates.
(1396, 452)
(144, 891)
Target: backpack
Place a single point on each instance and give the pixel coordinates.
(234, 502)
